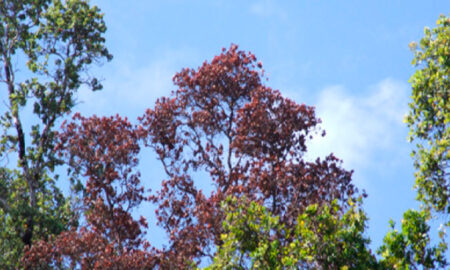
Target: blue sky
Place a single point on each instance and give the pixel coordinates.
(350, 59)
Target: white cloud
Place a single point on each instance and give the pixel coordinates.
(359, 127)
(129, 90)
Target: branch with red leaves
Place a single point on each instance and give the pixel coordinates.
(103, 151)
(223, 121)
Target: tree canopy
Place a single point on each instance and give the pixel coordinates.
(429, 116)
(248, 138)
(269, 208)
(56, 42)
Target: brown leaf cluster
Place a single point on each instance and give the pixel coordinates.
(249, 138)
(221, 120)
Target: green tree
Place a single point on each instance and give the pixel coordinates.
(428, 119)
(324, 237)
(429, 116)
(57, 40)
(411, 247)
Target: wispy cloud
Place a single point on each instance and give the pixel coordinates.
(129, 90)
(359, 127)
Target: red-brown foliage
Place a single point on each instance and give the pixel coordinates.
(221, 120)
(104, 152)
(251, 141)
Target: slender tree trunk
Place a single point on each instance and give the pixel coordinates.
(9, 76)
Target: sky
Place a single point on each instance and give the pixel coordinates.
(349, 59)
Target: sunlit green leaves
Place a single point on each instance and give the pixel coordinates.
(324, 238)
(429, 116)
(411, 247)
(56, 40)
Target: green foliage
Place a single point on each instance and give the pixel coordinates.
(331, 239)
(429, 123)
(429, 116)
(50, 216)
(410, 248)
(324, 238)
(56, 40)
(249, 238)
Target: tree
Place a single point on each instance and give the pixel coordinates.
(58, 40)
(250, 140)
(429, 116)
(324, 238)
(411, 247)
(221, 106)
(428, 119)
(102, 150)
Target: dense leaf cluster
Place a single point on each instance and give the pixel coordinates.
(248, 138)
(323, 238)
(55, 41)
(429, 116)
